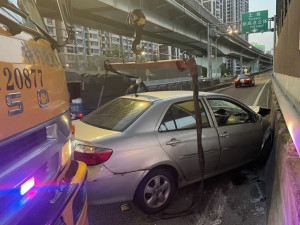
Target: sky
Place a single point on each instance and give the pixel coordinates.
(265, 38)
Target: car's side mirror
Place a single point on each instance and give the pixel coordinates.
(264, 111)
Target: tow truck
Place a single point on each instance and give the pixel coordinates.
(39, 183)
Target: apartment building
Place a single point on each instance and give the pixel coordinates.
(90, 46)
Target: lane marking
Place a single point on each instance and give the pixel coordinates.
(260, 93)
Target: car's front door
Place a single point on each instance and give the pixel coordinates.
(239, 133)
(178, 137)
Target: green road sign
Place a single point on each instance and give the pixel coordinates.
(255, 22)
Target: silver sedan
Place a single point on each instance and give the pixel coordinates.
(142, 147)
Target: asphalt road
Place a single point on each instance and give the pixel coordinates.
(233, 198)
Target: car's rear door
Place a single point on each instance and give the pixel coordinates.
(177, 135)
(239, 134)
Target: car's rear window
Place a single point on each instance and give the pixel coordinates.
(117, 114)
(244, 76)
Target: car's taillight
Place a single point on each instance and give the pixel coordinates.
(236, 80)
(248, 79)
(80, 115)
(91, 155)
(92, 159)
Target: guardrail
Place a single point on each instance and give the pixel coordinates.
(184, 83)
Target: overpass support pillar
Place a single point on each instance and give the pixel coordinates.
(255, 65)
(216, 64)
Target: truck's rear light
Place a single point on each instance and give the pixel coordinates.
(66, 153)
(92, 159)
(27, 185)
(80, 115)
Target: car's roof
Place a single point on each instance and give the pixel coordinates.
(163, 95)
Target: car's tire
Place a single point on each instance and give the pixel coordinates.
(155, 191)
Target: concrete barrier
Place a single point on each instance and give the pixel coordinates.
(282, 174)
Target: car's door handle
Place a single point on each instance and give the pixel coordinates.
(173, 142)
(225, 134)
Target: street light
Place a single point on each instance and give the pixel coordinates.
(241, 59)
(229, 31)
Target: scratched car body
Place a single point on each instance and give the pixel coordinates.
(143, 147)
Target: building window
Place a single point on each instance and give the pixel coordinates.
(70, 49)
(94, 43)
(71, 57)
(49, 21)
(95, 36)
(78, 34)
(72, 66)
(50, 30)
(94, 51)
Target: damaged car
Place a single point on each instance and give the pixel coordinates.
(142, 147)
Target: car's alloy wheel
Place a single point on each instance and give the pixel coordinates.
(155, 191)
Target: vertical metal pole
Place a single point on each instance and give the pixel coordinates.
(216, 60)
(241, 62)
(208, 53)
(274, 42)
(216, 55)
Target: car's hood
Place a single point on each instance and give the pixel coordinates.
(90, 133)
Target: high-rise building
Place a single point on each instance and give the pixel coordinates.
(216, 7)
(233, 12)
(227, 11)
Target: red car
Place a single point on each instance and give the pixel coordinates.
(244, 80)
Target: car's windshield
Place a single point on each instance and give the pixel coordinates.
(117, 114)
(27, 7)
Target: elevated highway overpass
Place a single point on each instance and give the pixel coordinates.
(181, 23)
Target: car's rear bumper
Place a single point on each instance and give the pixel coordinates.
(106, 187)
(244, 84)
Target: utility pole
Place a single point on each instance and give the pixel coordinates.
(209, 63)
(274, 43)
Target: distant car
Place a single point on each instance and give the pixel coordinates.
(142, 147)
(244, 80)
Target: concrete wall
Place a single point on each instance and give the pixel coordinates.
(287, 51)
